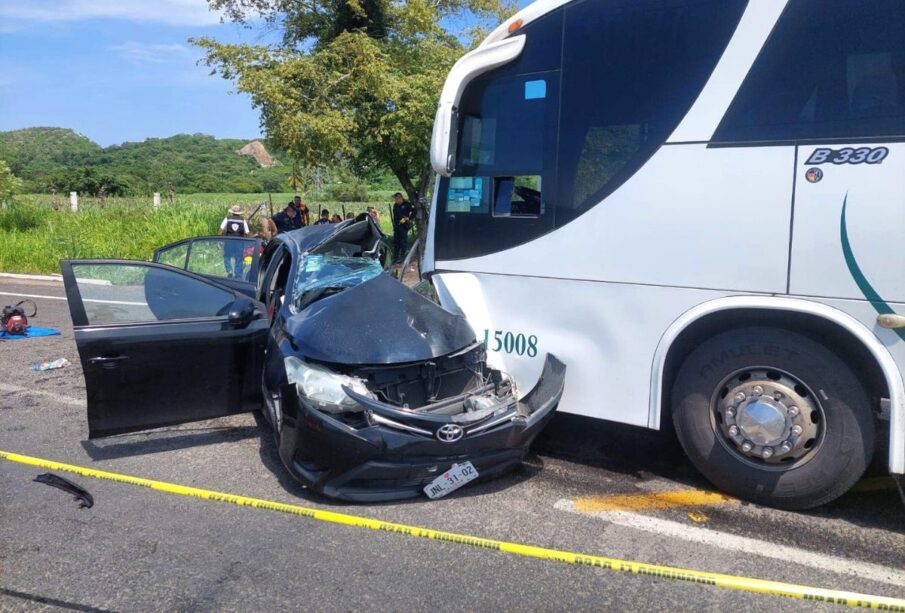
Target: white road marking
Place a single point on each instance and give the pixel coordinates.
(83, 299)
(32, 296)
(742, 544)
(16, 389)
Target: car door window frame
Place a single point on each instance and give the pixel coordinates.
(77, 306)
(255, 258)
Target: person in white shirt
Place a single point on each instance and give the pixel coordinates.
(234, 224)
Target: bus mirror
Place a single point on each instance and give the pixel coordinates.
(443, 140)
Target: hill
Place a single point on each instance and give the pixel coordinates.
(40, 150)
(186, 163)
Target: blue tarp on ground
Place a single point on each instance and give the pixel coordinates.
(32, 332)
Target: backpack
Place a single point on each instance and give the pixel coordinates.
(14, 321)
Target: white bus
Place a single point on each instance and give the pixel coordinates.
(699, 206)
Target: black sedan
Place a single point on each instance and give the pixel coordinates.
(373, 391)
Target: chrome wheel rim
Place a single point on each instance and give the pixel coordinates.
(768, 418)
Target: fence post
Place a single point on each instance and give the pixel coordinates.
(74, 201)
(156, 200)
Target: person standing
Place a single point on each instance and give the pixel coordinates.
(325, 218)
(234, 224)
(287, 220)
(403, 215)
(304, 215)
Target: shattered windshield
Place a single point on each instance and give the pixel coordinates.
(322, 274)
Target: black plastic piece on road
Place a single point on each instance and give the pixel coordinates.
(86, 500)
(62, 604)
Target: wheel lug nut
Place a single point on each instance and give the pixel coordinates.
(777, 396)
(796, 429)
(747, 446)
(786, 446)
(733, 430)
(730, 412)
(757, 391)
(793, 411)
(767, 452)
(739, 397)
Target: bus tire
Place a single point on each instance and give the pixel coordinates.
(774, 417)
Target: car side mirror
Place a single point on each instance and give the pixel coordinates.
(241, 312)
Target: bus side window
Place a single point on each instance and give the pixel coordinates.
(831, 69)
(630, 73)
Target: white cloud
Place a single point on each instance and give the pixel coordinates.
(154, 53)
(170, 12)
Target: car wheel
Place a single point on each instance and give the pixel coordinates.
(774, 417)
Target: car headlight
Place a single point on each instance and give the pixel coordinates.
(323, 387)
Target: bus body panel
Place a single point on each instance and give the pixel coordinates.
(606, 332)
(873, 193)
(693, 216)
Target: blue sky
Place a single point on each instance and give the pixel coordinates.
(116, 70)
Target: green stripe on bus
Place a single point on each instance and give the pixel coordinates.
(880, 305)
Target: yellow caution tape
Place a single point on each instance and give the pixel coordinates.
(760, 586)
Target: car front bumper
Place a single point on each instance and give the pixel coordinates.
(399, 453)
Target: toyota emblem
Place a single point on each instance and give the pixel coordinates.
(450, 433)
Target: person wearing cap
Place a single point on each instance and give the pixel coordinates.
(234, 224)
(287, 220)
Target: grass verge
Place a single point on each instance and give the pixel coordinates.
(34, 236)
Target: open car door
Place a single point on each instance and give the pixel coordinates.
(232, 261)
(161, 346)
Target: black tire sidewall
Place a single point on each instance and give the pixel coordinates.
(848, 440)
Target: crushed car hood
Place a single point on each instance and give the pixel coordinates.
(380, 321)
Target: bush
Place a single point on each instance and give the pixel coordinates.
(347, 192)
(19, 217)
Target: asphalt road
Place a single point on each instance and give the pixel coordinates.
(590, 487)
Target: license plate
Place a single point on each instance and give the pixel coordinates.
(451, 480)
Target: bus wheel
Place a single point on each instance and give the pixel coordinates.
(774, 417)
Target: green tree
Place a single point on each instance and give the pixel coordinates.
(10, 185)
(354, 82)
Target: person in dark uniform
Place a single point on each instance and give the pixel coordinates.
(287, 220)
(403, 216)
(234, 224)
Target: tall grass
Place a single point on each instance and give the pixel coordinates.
(34, 237)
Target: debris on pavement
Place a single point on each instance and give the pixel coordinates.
(55, 364)
(80, 494)
(14, 320)
(30, 332)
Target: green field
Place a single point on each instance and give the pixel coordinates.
(34, 236)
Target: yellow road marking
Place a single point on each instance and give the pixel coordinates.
(649, 501)
(735, 582)
(697, 517)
